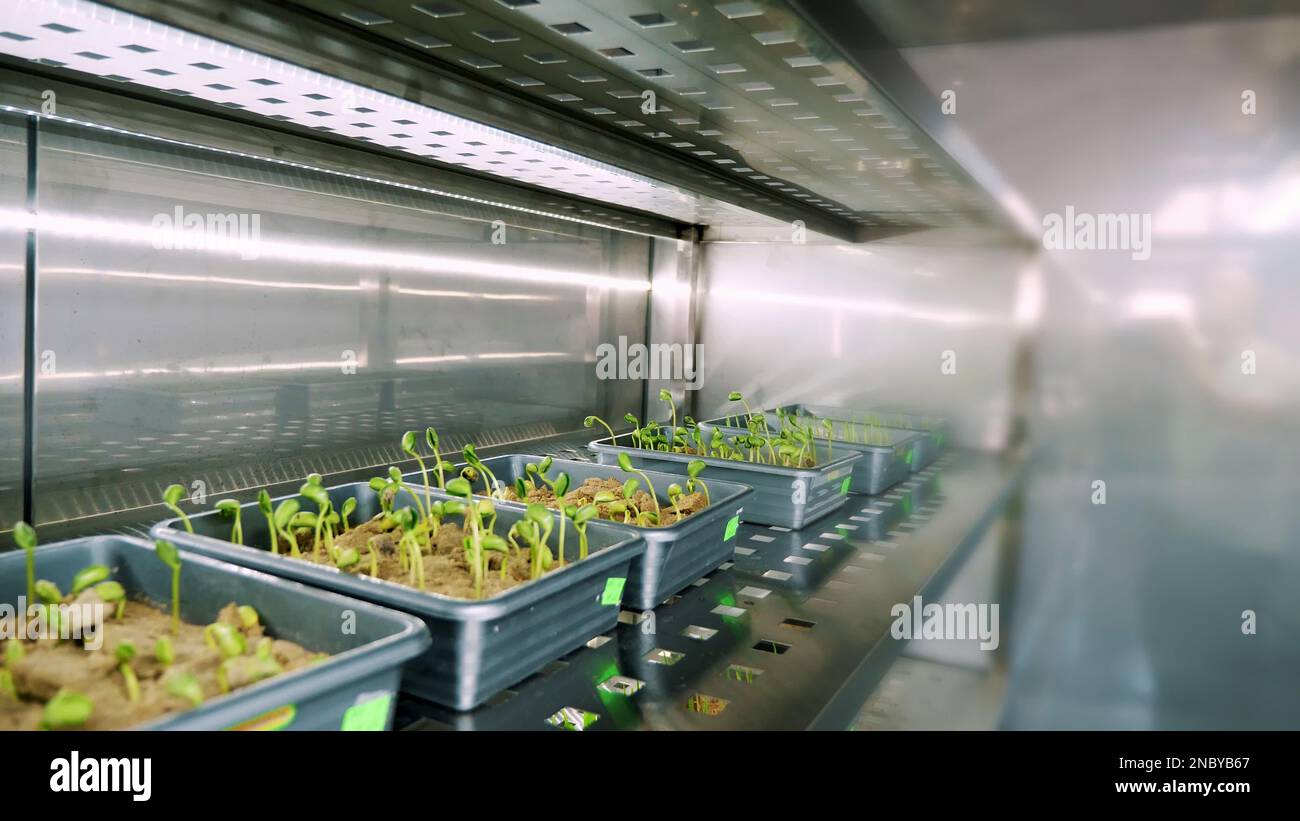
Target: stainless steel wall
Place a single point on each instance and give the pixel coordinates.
(356, 312)
(867, 326)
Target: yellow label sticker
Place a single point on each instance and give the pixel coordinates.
(276, 719)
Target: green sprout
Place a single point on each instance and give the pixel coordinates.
(110, 592)
(225, 639)
(88, 576)
(67, 710)
(319, 496)
(349, 505)
(693, 470)
(395, 476)
(125, 652)
(172, 499)
(164, 651)
(48, 592)
(264, 505)
(431, 439)
(581, 516)
(735, 396)
(675, 496)
(408, 446)
(636, 428)
(592, 420)
(281, 521)
(185, 686)
(229, 507)
(625, 463)
(666, 395)
(14, 653)
(561, 487)
(171, 557)
(489, 481)
(25, 537)
(828, 427)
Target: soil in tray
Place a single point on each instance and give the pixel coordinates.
(641, 500)
(50, 665)
(446, 570)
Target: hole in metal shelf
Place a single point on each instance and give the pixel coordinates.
(621, 685)
(570, 28)
(547, 58)
(798, 624)
(740, 672)
(763, 539)
(817, 548)
(631, 617)
(777, 575)
(698, 633)
(615, 52)
(776, 648)
(833, 536)
(799, 560)
(572, 718)
(726, 565)
(739, 9)
(753, 592)
(665, 657)
(438, 10)
(745, 551)
(817, 601)
(728, 611)
(692, 46)
(706, 705)
(598, 641)
(652, 20)
(365, 18)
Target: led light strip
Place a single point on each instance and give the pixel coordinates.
(116, 45)
(320, 254)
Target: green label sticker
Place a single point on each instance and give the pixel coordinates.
(844, 486)
(371, 714)
(908, 458)
(732, 524)
(613, 591)
(938, 440)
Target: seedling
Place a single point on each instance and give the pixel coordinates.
(25, 537)
(164, 651)
(592, 420)
(489, 481)
(666, 395)
(408, 445)
(625, 463)
(675, 496)
(171, 557)
(735, 396)
(185, 686)
(229, 507)
(316, 494)
(283, 517)
(225, 639)
(110, 592)
(172, 499)
(395, 475)
(125, 652)
(264, 505)
(581, 516)
(349, 505)
(636, 429)
(561, 487)
(67, 710)
(431, 439)
(693, 470)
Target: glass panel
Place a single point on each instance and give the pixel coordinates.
(13, 243)
(234, 322)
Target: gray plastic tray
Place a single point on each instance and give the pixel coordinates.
(479, 647)
(365, 664)
(675, 556)
(933, 438)
(881, 466)
(789, 497)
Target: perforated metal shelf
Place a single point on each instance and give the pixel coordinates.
(791, 634)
